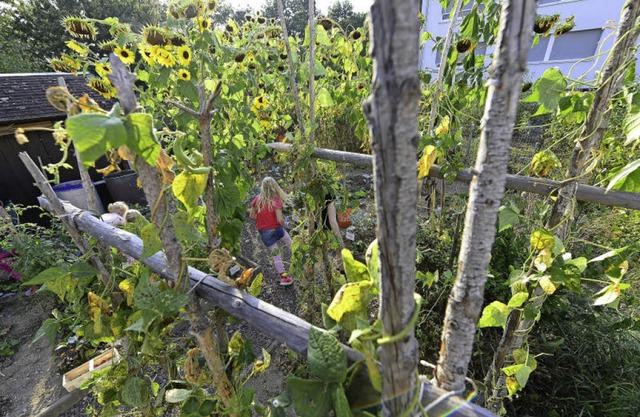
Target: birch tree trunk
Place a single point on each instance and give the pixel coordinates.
(392, 115)
(312, 66)
(485, 192)
(518, 328)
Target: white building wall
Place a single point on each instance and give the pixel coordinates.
(595, 22)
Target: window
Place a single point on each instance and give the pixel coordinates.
(538, 52)
(576, 45)
(465, 9)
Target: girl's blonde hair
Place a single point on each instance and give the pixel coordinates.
(118, 207)
(270, 190)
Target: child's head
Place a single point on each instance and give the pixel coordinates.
(131, 215)
(119, 207)
(270, 190)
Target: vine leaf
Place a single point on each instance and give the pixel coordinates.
(508, 216)
(548, 90)
(426, 161)
(542, 239)
(352, 297)
(324, 98)
(494, 315)
(48, 275)
(94, 134)
(177, 395)
(310, 398)
(627, 179)
(188, 187)
(141, 138)
(150, 240)
(355, 271)
(135, 392)
(327, 360)
(340, 403)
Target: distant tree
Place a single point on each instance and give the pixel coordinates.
(226, 11)
(342, 12)
(296, 14)
(15, 57)
(38, 23)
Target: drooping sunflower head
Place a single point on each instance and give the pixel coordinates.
(184, 55)
(177, 40)
(79, 27)
(102, 68)
(184, 75)
(203, 24)
(127, 56)
(155, 36)
(102, 86)
(108, 46)
(80, 48)
(239, 57)
(262, 20)
(64, 64)
(211, 6)
(193, 9)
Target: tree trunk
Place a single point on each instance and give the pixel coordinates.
(392, 115)
(312, 66)
(486, 191)
(518, 328)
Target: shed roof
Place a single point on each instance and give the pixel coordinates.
(23, 99)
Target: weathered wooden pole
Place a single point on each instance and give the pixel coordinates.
(486, 191)
(392, 115)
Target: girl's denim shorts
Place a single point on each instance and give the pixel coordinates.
(271, 236)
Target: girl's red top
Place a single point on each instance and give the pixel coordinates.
(267, 219)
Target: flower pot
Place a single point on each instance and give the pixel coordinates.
(344, 219)
(123, 186)
(73, 192)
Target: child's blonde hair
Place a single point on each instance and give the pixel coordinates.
(270, 190)
(119, 207)
(131, 215)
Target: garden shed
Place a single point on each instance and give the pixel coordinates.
(23, 104)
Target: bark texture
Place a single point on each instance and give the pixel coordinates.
(560, 221)
(392, 115)
(485, 193)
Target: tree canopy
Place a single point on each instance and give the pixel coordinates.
(342, 12)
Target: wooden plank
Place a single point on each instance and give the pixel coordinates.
(264, 317)
(540, 186)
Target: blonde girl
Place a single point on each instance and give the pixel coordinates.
(266, 210)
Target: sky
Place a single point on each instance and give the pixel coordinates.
(323, 5)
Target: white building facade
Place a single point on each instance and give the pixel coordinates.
(578, 53)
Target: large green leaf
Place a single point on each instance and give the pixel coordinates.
(627, 179)
(48, 329)
(82, 269)
(355, 271)
(48, 275)
(188, 187)
(494, 315)
(310, 398)
(141, 138)
(324, 98)
(135, 392)
(340, 403)
(631, 124)
(508, 216)
(353, 297)
(94, 134)
(151, 240)
(548, 90)
(542, 239)
(148, 296)
(372, 258)
(327, 360)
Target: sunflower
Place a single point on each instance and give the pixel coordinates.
(155, 36)
(126, 55)
(164, 57)
(80, 28)
(102, 86)
(102, 69)
(108, 46)
(185, 75)
(65, 64)
(184, 55)
(211, 6)
(78, 47)
(203, 23)
(146, 54)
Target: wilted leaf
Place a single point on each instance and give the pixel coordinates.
(353, 297)
(494, 315)
(542, 239)
(426, 161)
(547, 285)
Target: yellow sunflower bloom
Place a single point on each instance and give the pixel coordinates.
(146, 54)
(102, 86)
(165, 58)
(185, 75)
(265, 124)
(126, 55)
(78, 47)
(203, 23)
(184, 55)
(259, 103)
(102, 69)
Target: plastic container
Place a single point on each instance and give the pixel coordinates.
(73, 192)
(123, 186)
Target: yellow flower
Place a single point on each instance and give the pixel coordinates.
(203, 23)
(78, 47)
(211, 6)
(20, 136)
(164, 57)
(265, 124)
(126, 55)
(146, 54)
(102, 69)
(184, 55)
(102, 86)
(444, 126)
(185, 75)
